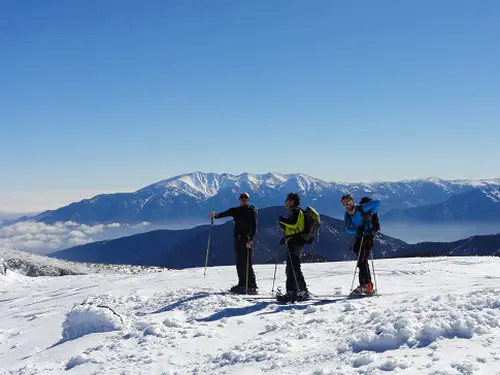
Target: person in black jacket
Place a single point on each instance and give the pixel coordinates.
(293, 227)
(245, 227)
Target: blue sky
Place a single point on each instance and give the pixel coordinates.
(114, 95)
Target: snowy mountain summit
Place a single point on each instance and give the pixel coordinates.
(203, 186)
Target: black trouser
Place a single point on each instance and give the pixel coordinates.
(294, 276)
(364, 269)
(244, 255)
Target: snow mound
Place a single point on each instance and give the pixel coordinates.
(77, 360)
(417, 323)
(86, 318)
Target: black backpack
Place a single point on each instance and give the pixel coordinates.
(375, 221)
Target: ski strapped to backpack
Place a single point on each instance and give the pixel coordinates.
(312, 222)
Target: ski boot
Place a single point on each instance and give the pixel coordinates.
(291, 296)
(238, 289)
(364, 289)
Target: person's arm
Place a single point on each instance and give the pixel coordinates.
(291, 220)
(229, 212)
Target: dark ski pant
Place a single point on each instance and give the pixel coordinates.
(242, 256)
(364, 269)
(294, 276)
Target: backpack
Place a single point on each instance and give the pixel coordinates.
(375, 221)
(312, 223)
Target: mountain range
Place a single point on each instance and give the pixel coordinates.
(189, 198)
(187, 248)
(479, 204)
(485, 245)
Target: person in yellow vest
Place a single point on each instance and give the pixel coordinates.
(293, 226)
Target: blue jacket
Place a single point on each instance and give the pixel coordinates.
(353, 223)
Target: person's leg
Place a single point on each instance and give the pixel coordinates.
(290, 279)
(240, 254)
(358, 247)
(252, 283)
(297, 248)
(364, 268)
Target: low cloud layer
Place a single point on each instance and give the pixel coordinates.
(45, 238)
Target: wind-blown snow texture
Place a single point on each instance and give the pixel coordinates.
(437, 316)
(29, 264)
(191, 196)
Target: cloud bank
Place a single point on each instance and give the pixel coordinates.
(46, 238)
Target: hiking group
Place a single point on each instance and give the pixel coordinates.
(301, 227)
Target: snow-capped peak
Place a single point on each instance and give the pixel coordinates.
(205, 185)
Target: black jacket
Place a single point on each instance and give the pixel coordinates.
(244, 219)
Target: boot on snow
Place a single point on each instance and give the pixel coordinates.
(364, 289)
(239, 289)
(292, 296)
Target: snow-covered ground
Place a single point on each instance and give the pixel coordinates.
(434, 316)
(30, 264)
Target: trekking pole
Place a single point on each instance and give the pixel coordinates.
(208, 246)
(374, 276)
(274, 278)
(356, 264)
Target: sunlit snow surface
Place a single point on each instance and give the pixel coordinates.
(434, 316)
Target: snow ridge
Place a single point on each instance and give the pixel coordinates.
(205, 185)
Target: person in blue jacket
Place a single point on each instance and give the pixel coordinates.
(358, 222)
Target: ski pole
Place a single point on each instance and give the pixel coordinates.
(356, 264)
(274, 278)
(208, 246)
(374, 276)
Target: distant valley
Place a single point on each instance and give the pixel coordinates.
(186, 248)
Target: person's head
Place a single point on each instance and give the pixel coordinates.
(348, 202)
(244, 198)
(292, 199)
